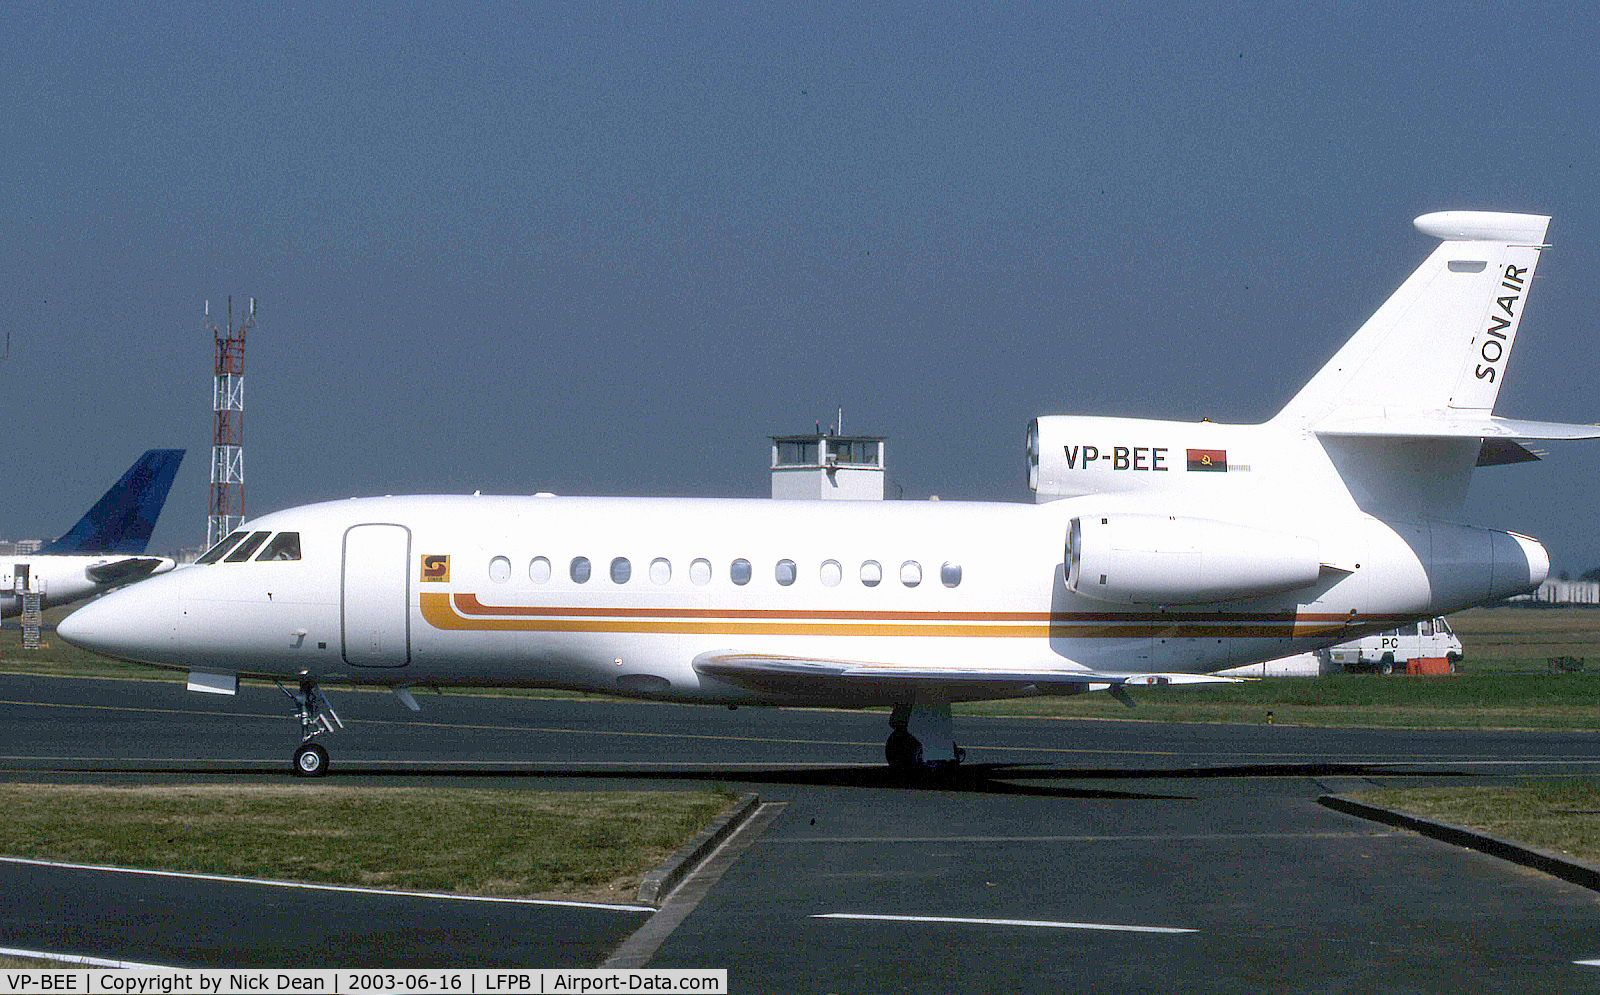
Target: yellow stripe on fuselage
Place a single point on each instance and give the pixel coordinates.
(465, 612)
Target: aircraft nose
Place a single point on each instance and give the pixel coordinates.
(138, 623)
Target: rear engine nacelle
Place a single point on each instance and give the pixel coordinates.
(1167, 560)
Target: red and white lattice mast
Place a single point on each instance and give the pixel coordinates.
(227, 445)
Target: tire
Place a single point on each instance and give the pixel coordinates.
(1386, 665)
(902, 751)
(310, 760)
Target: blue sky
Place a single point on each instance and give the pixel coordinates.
(608, 249)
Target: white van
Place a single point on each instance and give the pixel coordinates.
(1399, 650)
(1427, 647)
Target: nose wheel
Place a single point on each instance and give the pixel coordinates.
(316, 717)
(310, 760)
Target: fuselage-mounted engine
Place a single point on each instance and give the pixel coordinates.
(1171, 560)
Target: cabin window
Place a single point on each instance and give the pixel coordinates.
(1410, 629)
(831, 573)
(700, 572)
(621, 570)
(247, 547)
(660, 570)
(911, 573)
(499, 569)
(950, 574)
(739, 571)
(1426, 627)
(284, 546)
(785, 572)
(216, 552)
(539, 570)
(579, 570)
(872, 573)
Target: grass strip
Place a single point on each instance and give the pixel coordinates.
(1558, 814)
(1505, 683)
(469, 841)
(1481, 701)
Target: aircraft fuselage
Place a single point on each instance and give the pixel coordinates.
(623, 595)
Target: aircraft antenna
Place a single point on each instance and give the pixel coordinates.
(227, 444)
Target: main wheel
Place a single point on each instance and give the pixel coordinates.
(310, 760)
(903, 751)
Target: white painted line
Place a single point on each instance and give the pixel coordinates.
(129, 965)
(1552, 761)
(1041, 923)
(221, 765)
(1365, 834)
(1588, 963)
(306, 886)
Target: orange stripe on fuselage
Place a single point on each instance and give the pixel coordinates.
(465, 612)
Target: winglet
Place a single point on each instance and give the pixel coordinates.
(122, 520)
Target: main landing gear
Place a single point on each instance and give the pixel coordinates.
(316, 716)
(921, 738)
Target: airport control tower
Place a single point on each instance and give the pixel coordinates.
(828, 466)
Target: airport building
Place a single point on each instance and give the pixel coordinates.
(827, 466)
(1564, 592)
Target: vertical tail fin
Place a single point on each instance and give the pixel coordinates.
(122, 520)
(1440, 344)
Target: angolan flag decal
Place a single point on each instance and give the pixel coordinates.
(1208, 459)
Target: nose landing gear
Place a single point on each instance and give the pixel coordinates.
(316, 716)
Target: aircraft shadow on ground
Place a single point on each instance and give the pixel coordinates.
(1036, 780)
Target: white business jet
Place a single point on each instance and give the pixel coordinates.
(105, 549)
(1156, 553)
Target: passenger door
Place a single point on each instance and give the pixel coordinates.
(375, 596)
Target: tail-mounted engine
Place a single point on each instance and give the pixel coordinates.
(1160, 559)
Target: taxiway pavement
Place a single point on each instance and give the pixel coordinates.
(1022, 874)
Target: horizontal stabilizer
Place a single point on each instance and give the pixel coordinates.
(126, 569)
(1446, 425)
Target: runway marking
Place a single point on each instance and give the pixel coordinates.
(128, 965)
(1412, 760)
(476, 727)
(1134, 838)
(306, 886)
(1038, 923)
(214, 765)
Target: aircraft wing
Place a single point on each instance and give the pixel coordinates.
(804, 675)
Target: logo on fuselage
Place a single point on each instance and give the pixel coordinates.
(435, 568)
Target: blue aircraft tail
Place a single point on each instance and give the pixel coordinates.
(122, 520)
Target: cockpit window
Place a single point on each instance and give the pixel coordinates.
(216, 552)
(247, 547)
(284, 546)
